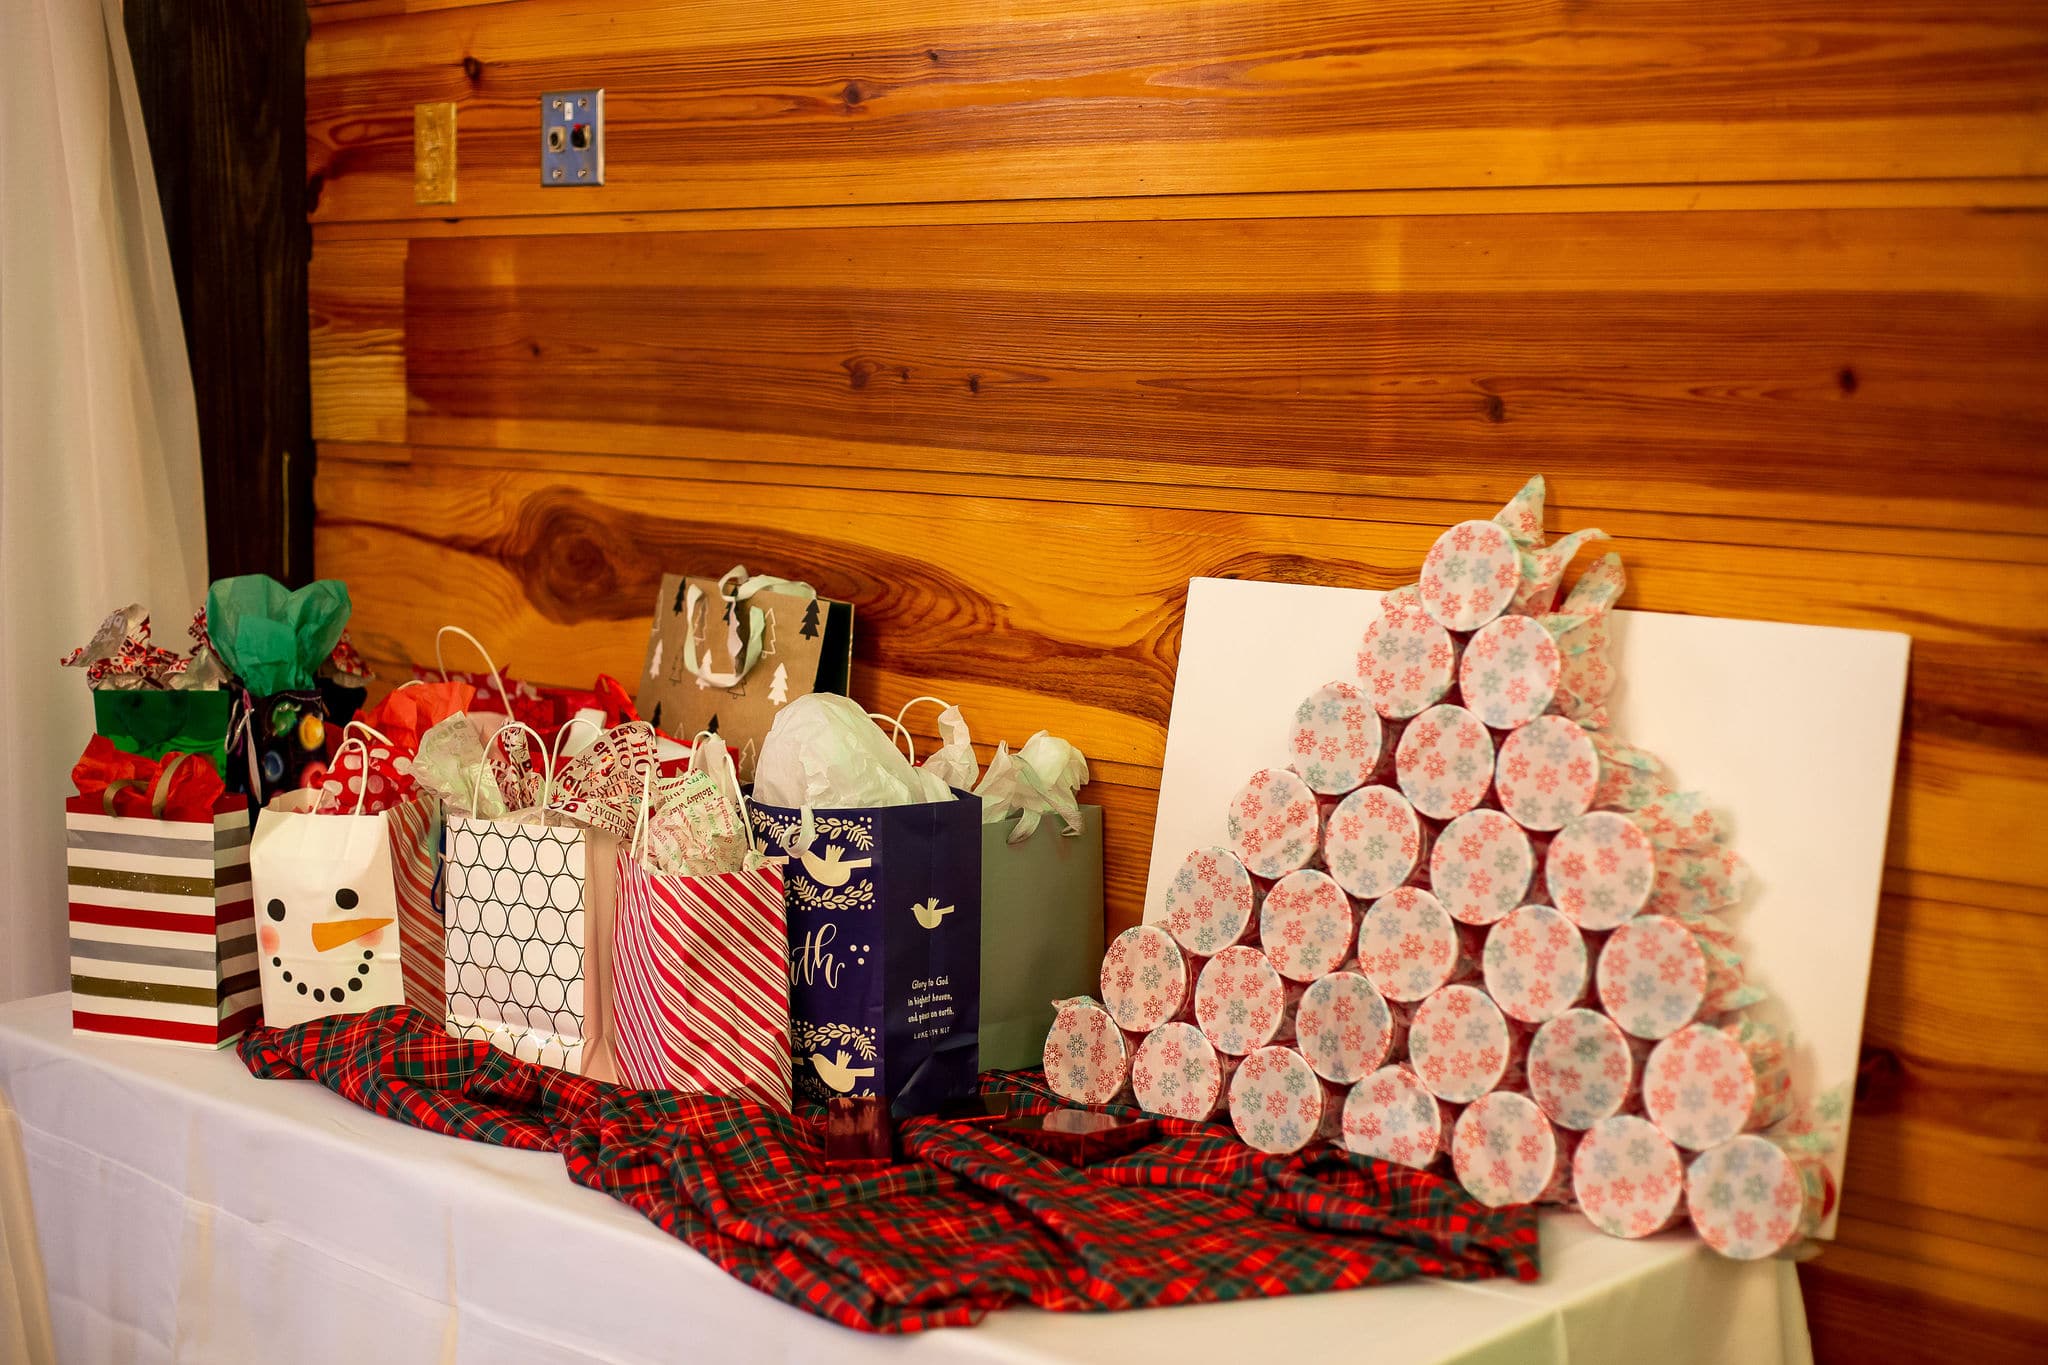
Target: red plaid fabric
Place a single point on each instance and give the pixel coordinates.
(969, 1221)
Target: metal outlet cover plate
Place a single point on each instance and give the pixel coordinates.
(572, 138)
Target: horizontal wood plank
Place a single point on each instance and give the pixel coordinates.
(998, 604)
(1776, 356)
(1887, 1313)
(720, 104)
(356, 298)
(1995, 194)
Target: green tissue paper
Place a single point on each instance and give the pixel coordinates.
(274, 639)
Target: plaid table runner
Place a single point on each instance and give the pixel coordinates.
(969, 1221)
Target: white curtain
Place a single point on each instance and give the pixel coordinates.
(99, 445)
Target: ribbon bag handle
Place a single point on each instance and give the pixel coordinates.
(441, 662)
(159, 787)
(735, 588)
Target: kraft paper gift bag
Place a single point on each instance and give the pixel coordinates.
(163, 944)
(326, 911)
(728, 654)
(529, 885)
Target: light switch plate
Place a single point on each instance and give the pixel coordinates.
(433, 153)
(572, 138)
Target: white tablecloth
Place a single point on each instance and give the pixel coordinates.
(187, 1211)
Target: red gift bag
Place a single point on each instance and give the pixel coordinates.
(700, 981)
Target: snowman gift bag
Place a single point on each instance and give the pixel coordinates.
(884, 909)
(326, 911)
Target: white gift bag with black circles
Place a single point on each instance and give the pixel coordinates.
(527, 957)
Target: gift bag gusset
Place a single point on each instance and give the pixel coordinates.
(163, 939)
(728, 654)
(885, 912)
(528, 895)
(700, 961)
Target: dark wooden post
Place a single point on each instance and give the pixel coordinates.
(223, 91)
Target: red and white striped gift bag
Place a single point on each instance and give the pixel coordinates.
(700, 981)
(415, 825)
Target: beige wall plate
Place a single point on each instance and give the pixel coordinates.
(433, 153)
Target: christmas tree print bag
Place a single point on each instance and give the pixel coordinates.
(727, 654)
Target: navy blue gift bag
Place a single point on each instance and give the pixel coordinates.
(884, 949)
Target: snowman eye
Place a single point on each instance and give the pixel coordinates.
(275, 909)
(345, 898)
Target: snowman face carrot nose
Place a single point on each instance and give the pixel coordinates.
(331, 934)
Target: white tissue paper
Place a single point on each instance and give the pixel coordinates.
(953, 762)
(1040, 778)
(824, 752)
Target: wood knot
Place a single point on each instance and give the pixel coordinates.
(1846, 380)
(473, 69)
(1496, 411)
(852, 94)
(974, 383)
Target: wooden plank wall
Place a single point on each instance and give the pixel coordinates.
(1003, 320)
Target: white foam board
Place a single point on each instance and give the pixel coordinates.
(1792, 730)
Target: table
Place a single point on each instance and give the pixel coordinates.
(188, 1211)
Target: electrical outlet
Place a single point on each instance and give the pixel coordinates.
(572, 137)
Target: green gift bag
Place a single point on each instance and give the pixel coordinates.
(1041, 931)
(152, 722)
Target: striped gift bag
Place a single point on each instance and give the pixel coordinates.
(415, 826)
(700, 981)
(163, 929)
